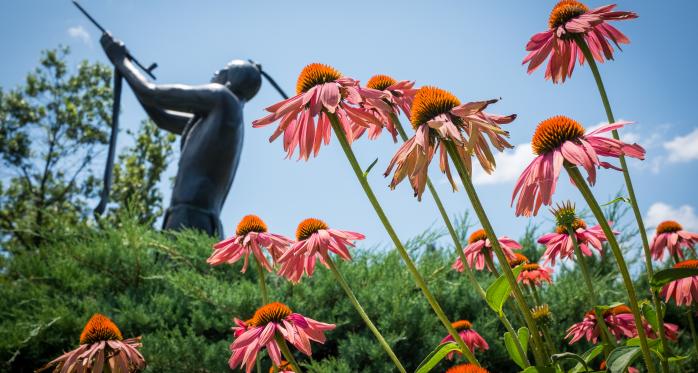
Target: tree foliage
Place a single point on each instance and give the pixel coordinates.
(137, 174)
(53, 129)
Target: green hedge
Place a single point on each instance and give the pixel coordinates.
(159, 286)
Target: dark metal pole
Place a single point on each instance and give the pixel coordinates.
(116, 105)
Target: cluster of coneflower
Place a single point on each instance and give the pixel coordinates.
(328, 102)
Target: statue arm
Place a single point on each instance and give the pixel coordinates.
(178, 97)
(168, 120)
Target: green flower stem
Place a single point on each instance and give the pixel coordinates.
(287, 352)
(547, 336)
(692, 326)
(341, 136)
(547, 339)
(352, 298)
(608, 340)
(536, 297)
(509, 275)
(631, 194)
(459, 248)
(618, 255)
(262, 283)
(265, 298)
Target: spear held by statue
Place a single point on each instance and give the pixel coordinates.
(118, 80)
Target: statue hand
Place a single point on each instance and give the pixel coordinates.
(114, 48)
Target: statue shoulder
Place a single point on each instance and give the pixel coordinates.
(225, 96)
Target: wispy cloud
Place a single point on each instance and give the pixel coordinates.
(660, 211)
(510, 164)
(682, 148)
(79, 32)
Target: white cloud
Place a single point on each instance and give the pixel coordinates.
(630, 137)
(659, 212)
(683, 148)
(510, 164)
(79, 32)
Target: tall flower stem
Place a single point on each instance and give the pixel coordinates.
(547, 336)
(581, 184)
(262, 282)
(487, 226)
(265, 298)
(459, 249)
(692, 326)
(608, 341)
(352, 298)
(536, 297)
(339, 132)
(287, 352)
(549, 339)
(631, 194)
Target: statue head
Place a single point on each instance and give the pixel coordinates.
(240, 77)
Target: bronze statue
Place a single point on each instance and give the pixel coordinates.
(209, 119)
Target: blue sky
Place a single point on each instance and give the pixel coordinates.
(473, 49)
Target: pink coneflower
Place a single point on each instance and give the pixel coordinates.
(534, 275)
(479, 246)
(471, 338)
(684, 290)
(672, 238)
(270, 320)
(315, 240)
(671, 331)
(559, 243)
(619, 321)
(398, 95)
(250, 237)
(437, 115)
(320, 90)
(568, 20)
(101, 345)
(561, 139)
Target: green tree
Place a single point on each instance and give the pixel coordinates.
(51, 128)
(137, 174)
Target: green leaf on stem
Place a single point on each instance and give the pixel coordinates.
(622, 357)
(678, 359)
(619, 199)
(652, 343)
(608, 307)
(499, 291)
(539, 370)
(651, 315)
(510, 345)
(558, 358)
(666, 276)
(436, 356)
(370, 167)
(524, 334)
(588, 356)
